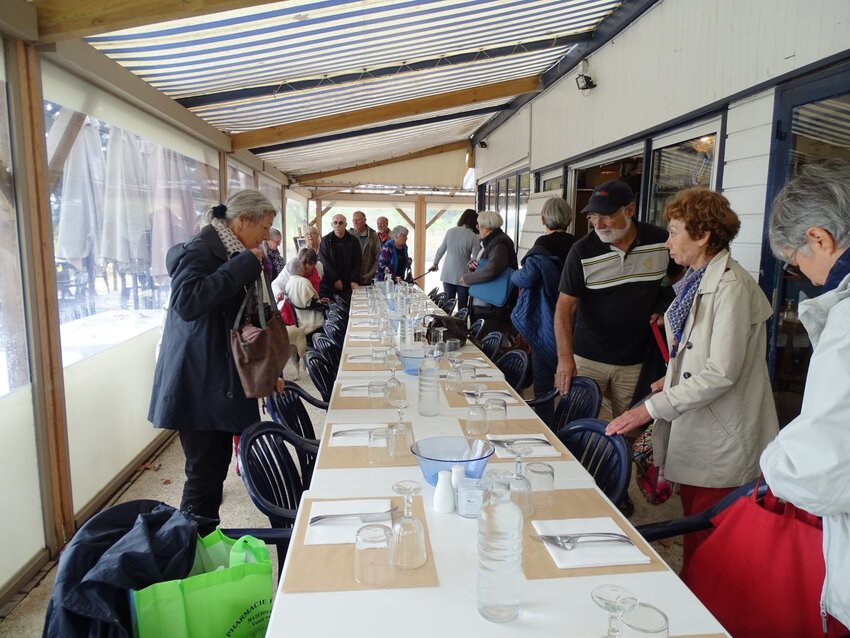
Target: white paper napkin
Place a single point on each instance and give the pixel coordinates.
(475, 363)
(536, 450)
(359, 337)
(589, 554)
(354, 439)
(342, 530)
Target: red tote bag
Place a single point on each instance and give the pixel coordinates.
(761, 570)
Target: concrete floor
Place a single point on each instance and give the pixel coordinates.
(163, 478)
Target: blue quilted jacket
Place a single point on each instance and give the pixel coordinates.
(534, 313)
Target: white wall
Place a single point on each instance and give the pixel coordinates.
(445, 169)
(748, 136)
(678, 57)
(507, 146)
(22, 531)
(107, 397)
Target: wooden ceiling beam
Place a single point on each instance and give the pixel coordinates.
(70, 19)
(406, 108)
(434, 150)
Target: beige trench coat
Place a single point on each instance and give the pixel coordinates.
(716, 413)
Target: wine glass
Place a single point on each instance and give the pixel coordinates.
(438, 335)
(616, 601)
(402, 435)
(476, 421)
(394, 391)
(408, 533)
(475, 389)
(520, 485)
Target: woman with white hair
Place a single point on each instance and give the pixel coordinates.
(394, 255)
(498, 249)
(808, 464)
(534, 314)
(303, 297)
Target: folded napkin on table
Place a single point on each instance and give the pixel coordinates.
(507, 398)
(343, 530)
(589, 554)
(354, 391)
(355, 438)
(535, 448)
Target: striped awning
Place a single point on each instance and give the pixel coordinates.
(293, 61)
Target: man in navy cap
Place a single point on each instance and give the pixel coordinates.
(611, 287)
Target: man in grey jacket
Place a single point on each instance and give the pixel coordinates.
(370, 246)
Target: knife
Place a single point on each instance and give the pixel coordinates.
(365, 517)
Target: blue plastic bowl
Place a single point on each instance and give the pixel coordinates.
(442, 452)
(410, 360)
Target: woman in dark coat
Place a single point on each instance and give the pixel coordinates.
(196, 388)
(498, 249)
(534, 314)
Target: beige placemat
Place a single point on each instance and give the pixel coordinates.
(525, 426)
(346, 457)
(313, 568)
(367, 343)
(339, 402)
(360, 363)
(456, 399)
(578, 503)
(466, 356)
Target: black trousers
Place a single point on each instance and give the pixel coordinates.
(208, 454)
(460, 293)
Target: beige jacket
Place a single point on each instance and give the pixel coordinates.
(716, 413)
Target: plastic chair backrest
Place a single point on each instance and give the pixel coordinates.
(269, 473)
(439, 299)
(448, 305)
(329, 348)
(335, 330)
(288, 410)
(490, 344)
(463, 313)
(606, 458)
(321, 373)
(514, 365)
(583, 401)
(434, 292)
(475, 328)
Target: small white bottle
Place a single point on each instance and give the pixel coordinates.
(444, 495)
(458, 474)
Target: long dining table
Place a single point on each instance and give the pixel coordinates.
(317, 595)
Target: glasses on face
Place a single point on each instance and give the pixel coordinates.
(790, 268)
(338, 223)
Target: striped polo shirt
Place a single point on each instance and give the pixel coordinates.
(617, 292)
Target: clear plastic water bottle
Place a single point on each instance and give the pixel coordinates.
(499, 554)
(429, 390)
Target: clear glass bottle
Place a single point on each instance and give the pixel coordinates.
(429, 389)
(499, 554)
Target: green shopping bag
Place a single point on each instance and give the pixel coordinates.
(227, 593)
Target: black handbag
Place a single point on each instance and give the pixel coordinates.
(455, 328)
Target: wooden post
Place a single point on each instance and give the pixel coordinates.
(421, 230)
(222, 176)
(26, 108)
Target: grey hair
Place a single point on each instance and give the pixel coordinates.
(250, 203)
(307, 255)
(818, 196)
(274, 234)
(294, 266)
(399, 230)
(490, 219)
(310, 230)
(557, 214)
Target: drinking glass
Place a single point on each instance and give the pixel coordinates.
(645, 621)
(452, 345)
(377, 395)
(372, 553)
(467, 374)
(439, 349)
(401, 434)
(541, 477)
(408, 549)
(394, 387)
(520, 485)
(496, 411)
(379, 451)
(454, 381)
(476, 421)
(379, 358)
(438, 335)
(616, 601)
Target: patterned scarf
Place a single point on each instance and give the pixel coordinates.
(686, 290)
(231, 242)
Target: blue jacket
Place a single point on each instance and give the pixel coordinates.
(388, 258)
(534, 314)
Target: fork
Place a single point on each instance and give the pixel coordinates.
(569, 541)
(365, 517)
(525, 440)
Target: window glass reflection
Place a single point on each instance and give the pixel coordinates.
(676, 168)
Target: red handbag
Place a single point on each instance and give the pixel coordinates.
(761, 570)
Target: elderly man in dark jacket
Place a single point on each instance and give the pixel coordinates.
(340, 255)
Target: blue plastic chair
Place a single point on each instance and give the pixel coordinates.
(271, 478)
(514, 365)
(489, 345)
(475, 328)
(321, 373)
(543, 399)
(329, 348)
(606, 458)
(583, 401)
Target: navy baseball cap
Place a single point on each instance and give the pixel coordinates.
(609, 197)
